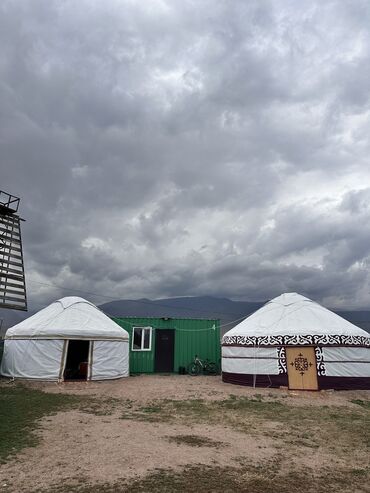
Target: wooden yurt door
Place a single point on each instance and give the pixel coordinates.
(301, 363)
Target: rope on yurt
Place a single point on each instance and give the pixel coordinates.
(254, 366)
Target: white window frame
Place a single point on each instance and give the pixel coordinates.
(142, 338)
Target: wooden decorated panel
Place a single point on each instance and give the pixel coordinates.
(301, 365)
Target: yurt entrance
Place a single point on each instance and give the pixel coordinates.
(301, 363)
(76, 367)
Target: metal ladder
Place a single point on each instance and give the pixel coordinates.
(12, 280)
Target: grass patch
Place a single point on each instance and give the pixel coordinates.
(20, 411)
(195, 441)
(339, 428)
(342, 432)
(257, 479)
(360, 402)
(102, 407)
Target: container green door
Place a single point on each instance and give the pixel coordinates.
(164, 350)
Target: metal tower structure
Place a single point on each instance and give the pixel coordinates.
(12, 280)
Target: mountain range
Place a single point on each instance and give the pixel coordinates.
(228, 311)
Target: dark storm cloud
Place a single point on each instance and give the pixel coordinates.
(178, 148)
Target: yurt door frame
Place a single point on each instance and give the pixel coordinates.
(63, 362)
(302, 369)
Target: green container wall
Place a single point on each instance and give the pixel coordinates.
(192, 337)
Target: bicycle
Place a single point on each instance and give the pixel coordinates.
(198, 366)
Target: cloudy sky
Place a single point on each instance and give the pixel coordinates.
(178, 148)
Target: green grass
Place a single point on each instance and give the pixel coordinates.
(20, 411)
(195, 441)
(339, 428)
(340, 432)
(268, 476)
(360, 402)
(102, 406)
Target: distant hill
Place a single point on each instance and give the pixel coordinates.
(359, 318)
(192, 307)
(228, 311)
(8, 318)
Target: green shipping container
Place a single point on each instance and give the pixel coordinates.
(168, 344)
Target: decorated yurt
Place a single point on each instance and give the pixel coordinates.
(294, 342)
(71, 339)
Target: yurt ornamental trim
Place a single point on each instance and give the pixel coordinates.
(320, 364)
(297, 340)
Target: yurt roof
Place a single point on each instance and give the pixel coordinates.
(291, 314)
(70, 317)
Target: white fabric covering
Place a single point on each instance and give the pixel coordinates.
(346, 354)
(34, 347)
(292, 314)
(68, 318)
(250, 366)
(32, 358)
(347, 361)
(249, 352)
(342, 369)
(117, 364)
(261, 361)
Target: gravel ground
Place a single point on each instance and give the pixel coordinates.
(145, 388)
(106, 448)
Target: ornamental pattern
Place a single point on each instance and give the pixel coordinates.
(321, 369)
(297, 340)
(301, 364)
(281, 360)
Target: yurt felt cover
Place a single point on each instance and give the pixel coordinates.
(35, 348)
(68, 318)
(292, 319)
(256, 346)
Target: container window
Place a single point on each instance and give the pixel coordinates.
(138, 333)
(147, 338)
(142, 339)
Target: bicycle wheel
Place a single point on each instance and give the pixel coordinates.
(194, 369)
(211, 369)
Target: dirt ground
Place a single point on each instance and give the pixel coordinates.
(104, 448)
(145, 388)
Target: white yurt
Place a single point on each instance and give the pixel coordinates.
(293, 341)
(71, 339)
